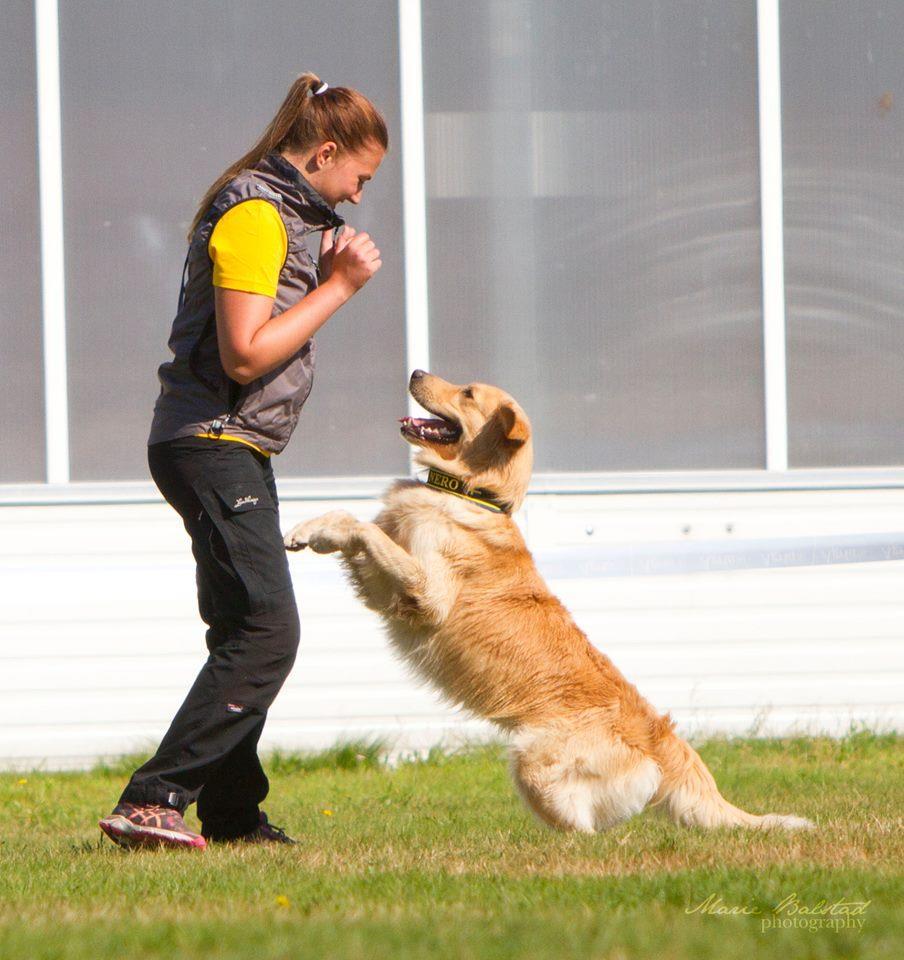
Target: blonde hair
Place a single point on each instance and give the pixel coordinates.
(304, 120)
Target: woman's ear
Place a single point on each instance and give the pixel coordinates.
(514, 426)
(326, 154)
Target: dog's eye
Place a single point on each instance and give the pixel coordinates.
(468, 392)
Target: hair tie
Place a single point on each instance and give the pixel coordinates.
(321, 89)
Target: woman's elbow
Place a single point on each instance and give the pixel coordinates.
(241, 374)
(242, 378)
(238, 368)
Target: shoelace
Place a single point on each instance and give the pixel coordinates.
(268, 827)
(153, 814)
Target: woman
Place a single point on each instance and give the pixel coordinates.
(251, 299)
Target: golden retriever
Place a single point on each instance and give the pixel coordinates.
(448, 570)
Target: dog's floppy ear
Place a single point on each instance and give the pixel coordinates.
(514, 426)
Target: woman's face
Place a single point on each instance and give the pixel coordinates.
(340, 175)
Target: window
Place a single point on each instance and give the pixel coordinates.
(22, 414)
(153, 110)
(593, 207)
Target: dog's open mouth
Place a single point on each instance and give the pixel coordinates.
(431, 431)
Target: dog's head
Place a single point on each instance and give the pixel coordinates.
(482, 436)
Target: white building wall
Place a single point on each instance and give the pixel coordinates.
(100, 639)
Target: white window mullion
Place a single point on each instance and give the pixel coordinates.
(771, 210)
(53, 293)
(414, 189)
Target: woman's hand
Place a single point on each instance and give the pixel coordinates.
(328, 251)
(355, 263)
(252, 342)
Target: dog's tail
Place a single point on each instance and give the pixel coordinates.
(689, 794)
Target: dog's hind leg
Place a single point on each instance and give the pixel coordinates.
(564, 806)
(582, 781)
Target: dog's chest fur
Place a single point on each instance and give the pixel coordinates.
(488, 618)
(456, 539)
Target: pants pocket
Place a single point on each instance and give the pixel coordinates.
(250, 543)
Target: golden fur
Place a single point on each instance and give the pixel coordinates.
(466, 608)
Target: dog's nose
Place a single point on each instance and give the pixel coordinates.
(418, 374)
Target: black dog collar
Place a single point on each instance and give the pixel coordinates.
(449, 484)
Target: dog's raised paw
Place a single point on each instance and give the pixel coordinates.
(296, 539)
(324, 534)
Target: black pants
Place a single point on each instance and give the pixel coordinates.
(225, 493)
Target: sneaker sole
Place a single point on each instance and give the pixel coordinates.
(128, 834)
(251, 841)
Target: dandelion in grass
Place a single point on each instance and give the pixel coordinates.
(282, 900)
(327, 813)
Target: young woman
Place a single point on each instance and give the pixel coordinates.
(251, 300)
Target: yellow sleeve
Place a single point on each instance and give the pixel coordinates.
(248, 248)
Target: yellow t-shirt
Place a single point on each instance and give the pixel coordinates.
(248, 247)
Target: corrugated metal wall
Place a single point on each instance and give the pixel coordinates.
(100, 640)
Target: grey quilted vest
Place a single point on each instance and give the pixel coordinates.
(196, 395)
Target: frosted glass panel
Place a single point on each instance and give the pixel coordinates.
(593, 206)
(843, 95)
(22, 395)
(159, 97)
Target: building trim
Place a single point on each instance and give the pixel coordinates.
(772, 233)
(542, 484)
(414, 192)
(53, 274)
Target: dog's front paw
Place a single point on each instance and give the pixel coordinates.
(324, 534)
(297, 537)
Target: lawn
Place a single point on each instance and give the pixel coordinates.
(437, 858)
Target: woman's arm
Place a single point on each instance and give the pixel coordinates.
(253, 343)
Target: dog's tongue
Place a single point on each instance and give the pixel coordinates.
(426, 422)
(439, 431)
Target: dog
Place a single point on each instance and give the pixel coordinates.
(447, 568)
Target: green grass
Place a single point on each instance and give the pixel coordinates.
(437, 858)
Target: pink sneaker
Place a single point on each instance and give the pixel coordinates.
(131, 825)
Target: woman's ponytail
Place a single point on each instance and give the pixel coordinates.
(312, 113)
